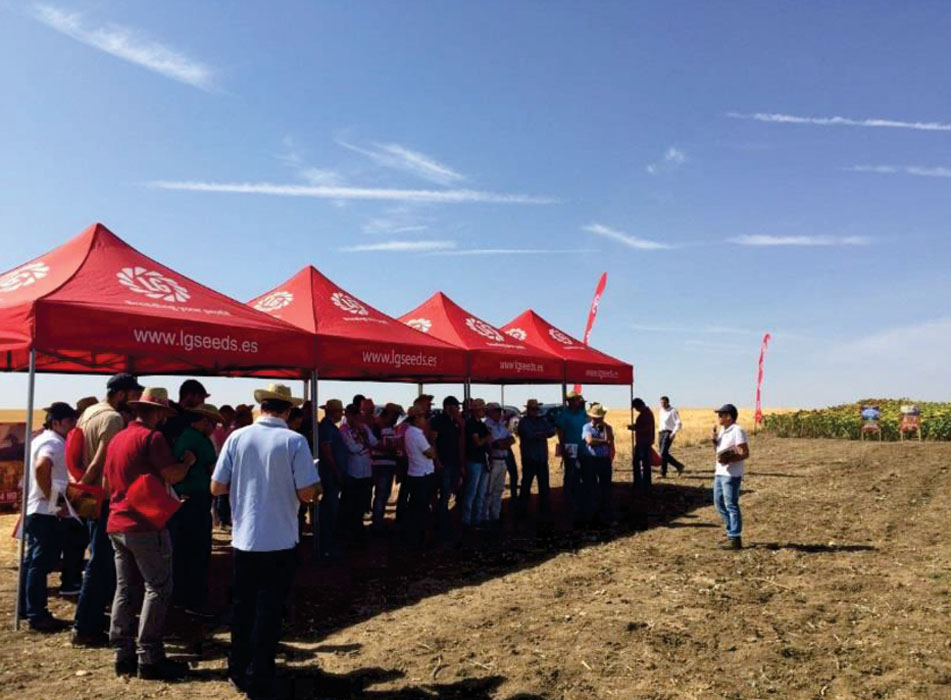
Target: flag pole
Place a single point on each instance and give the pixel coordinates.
(27, 469)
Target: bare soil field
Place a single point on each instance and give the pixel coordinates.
(844, 591)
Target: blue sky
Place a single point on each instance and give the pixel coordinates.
(734, 167)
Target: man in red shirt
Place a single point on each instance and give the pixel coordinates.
(643, 441)
(139, 465)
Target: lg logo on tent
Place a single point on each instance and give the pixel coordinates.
(421, 324)
(151, 284)
(484, 329)
(517, 333)
(273, 303)
(347, 303)
(560, 337)
(23, 276)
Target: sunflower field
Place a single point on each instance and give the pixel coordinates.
(845, 421)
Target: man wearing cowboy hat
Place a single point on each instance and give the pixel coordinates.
(267, 470)
(191, 525)
(334, 456)
(141, 541)
(568, 427)
(533, 434)
(596, 465)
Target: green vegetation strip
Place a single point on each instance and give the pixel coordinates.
(846, 422)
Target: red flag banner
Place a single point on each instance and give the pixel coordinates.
(593, 313)
(758, 419)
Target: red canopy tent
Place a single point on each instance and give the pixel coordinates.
(356, 341)
(493, 356)
(97, 305)
(583, 364)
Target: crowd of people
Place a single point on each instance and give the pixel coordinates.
(140, 481)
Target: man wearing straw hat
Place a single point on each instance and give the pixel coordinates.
(267, 470)
(533, 434)
(140, 456)
(191, 525)
(334, 456)
(568, 427)
(598, 440)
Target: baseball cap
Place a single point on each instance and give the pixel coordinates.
(60, 411)
(192, 386)
(729, 409)
(493, 406)
(450, 401)
(123, 382)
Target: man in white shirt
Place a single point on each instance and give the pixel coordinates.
(42, 527)
(358, 481)
(500, 440)
(420, 479)
(668, 428)
(732, 451)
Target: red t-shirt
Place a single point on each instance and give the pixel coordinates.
(133, 452)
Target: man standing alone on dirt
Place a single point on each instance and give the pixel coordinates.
(732, 450)
(643, 442)
(669, 426)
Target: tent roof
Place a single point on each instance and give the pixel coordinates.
(356, 341)
(493, 356)
(583, 364)
(97, 305)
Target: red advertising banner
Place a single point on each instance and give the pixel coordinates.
(593, 313)
(758, 418)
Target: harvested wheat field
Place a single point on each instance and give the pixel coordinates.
(844, 591)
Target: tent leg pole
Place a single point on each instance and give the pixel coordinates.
(564, 393)
(419, 389)
(27, 469)
(502, 391)
(315, 506)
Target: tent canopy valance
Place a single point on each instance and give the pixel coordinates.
(493, 356)
(97, 305)
(583, 364)
(355, 340)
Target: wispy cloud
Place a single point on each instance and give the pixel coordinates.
(624, 238)
(711, 329)
(400, 247)
(673, 159)
(127, 44)
(345, 193)
(293, 157)
(516, 251)
(766, 240)
(841, 121)
(397, 157)
(920, 170)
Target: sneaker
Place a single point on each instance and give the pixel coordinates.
(166, 670)
(48, 625)
(202, 615)
(127, 667)
(91, 641)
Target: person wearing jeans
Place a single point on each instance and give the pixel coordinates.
(333, 465)
(598, 445)
(501, 441)
(268, 471)
(384, 461)
(420, 476)
(476, 476)
(568, 427)
(643, 444)
(449, 427)
(534, 432)
(732, 450)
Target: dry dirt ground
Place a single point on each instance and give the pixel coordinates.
(844, 591)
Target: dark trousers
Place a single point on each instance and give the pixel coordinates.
(44, 540)
(262, 582)
(75, 541)
(190, 528)
(571, 484)
(511, 466)
(328, 513)
(447, 477)
(99, 581)
(223, 510)
(402, 496)
(535, 469)
(642, 467)
(597, 482)
(666, 440)
(419, 491)
(354, 502)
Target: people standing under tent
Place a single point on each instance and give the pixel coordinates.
(358, 479)
(643, 444)
(295, 420)
(139, 466)
(475, 479)
(533, 433)
(75, 535)
(732, 450)
(43, 528)
(190, 527)
(669, 425)
(98, 425)
(568, 427)
(243, 417)
(367, 410)
(333, 467)
(449, 427)
(501, 441)
(384, 455)
(225, 427)
(420, 476)
(425, 403)
(191, 393)
(596, 465)
(266, 470)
